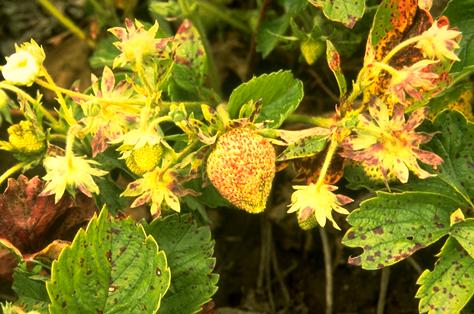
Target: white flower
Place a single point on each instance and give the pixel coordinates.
(69, 173)
(315, 203)
(24, 66)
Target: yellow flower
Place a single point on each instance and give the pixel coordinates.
(137, 43)
(315, 203)
(24, 66)
(439, 42)
(390, 143)
(70, 172)
(156, 188)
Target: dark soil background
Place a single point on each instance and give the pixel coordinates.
(267, 264)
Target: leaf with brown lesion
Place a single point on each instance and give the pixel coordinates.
(30, 223)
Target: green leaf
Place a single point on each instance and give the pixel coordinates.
(348, 12)
(455, 145)
(279, 91)
(189, 250)
(392, 226)
(305, 147)
(334, 62)
(450, 285)
(30, 288)
(461, 15)
(111, 267)
(271, 30)
(464, 232)
(268, 34)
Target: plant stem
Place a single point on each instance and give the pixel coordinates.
(18, 91)
(67, 113)
(384, 280)
(317, 121)
(327, 161)
(327, 270)
(399, 47)
(12, 170)
(69, 24)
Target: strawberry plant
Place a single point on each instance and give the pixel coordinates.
(105, 208)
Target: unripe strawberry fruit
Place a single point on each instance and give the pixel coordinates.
(242, 168)
(25, 138)
(144, 159)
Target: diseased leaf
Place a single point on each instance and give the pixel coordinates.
(391, 21)
(334, 62)
(454, 144)
(463, 232)
(189, 250)
(305, 147)
(391, 227)
(450, 285)
(279, 91)
(111, 267)
(30, 222)
(461, 15)
(348, 12)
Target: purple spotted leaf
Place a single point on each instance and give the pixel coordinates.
(450, 285)
(111, 267)
(392, 226)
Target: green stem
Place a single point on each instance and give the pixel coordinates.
(327, 161)
(317, 121)
(107, 101)
(69, 24)
(399, 47)
(12, 170)
(213, 74)
(67, 114)
(18, 91)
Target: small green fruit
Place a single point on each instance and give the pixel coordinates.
(242, 168)
(25, 138)
(144, 159)
(311, 49)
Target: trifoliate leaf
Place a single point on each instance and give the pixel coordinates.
(189, 250)
(391, 227)
(450, 285)
(279, 92)
(111, 267)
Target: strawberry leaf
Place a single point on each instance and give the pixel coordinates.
(110, 267)
(450, 285)
(279, 92)
(189, 250)
(348, 12)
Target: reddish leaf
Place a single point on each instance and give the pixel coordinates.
(30, 222)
